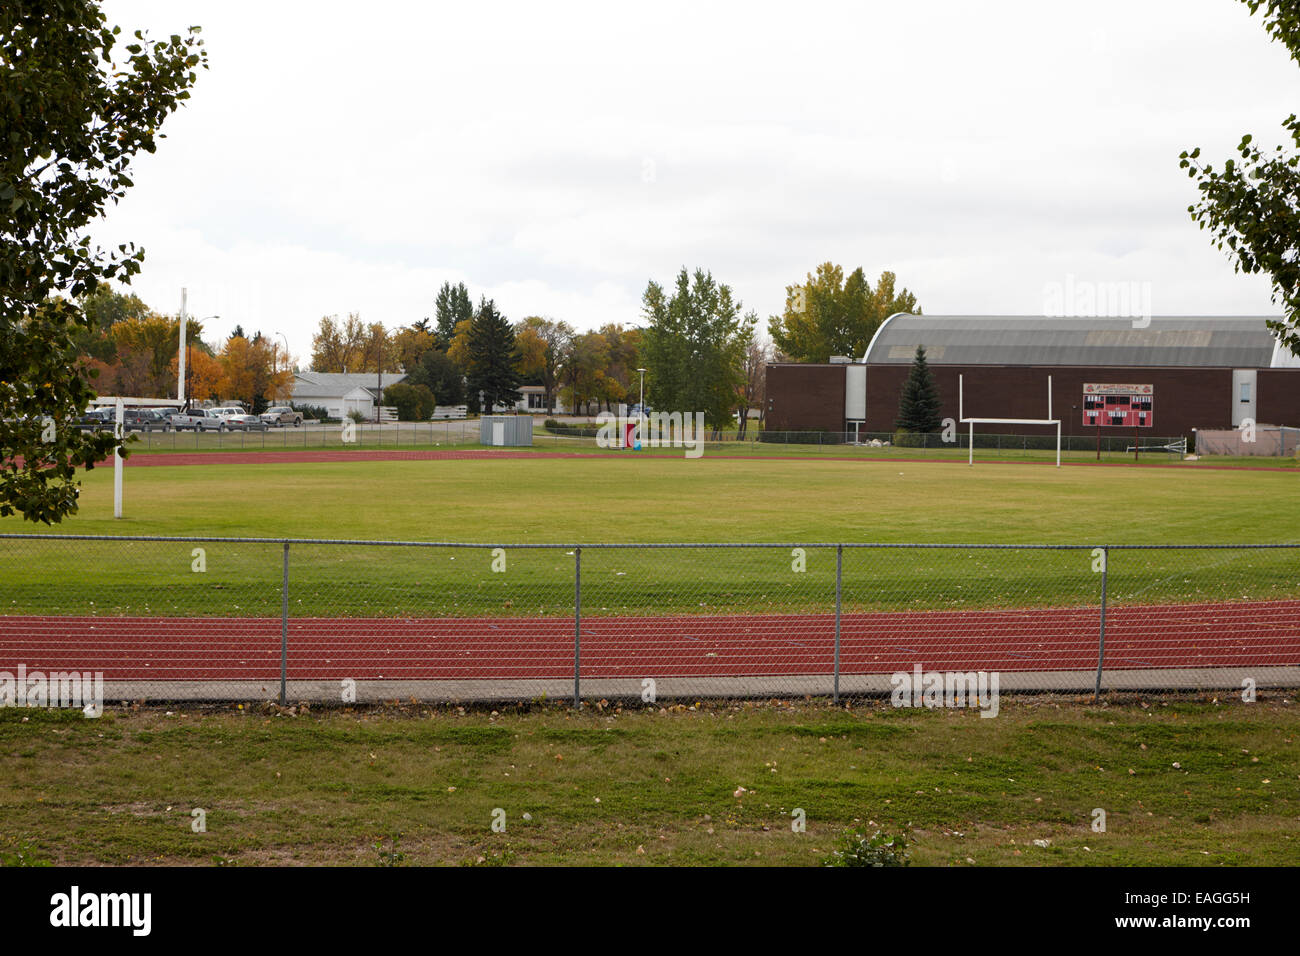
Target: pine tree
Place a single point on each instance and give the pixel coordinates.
(491, 358)
(918, 408)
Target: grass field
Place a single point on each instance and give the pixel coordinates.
(586, 501)
(1180, 783)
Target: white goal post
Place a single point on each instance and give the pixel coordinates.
(972, 422)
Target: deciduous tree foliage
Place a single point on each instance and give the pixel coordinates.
(248, 373)
(443, 377)
(540, 346)
(452, 307)
(1251, 206)
(75, 109)
(694, 347)
(346, 346)
(832, 315)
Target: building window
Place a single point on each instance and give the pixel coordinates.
(1245, 393)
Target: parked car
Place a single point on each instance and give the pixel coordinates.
(97, 419)
(242, 422)
(196, 419)
(144, 420)
(280, 415)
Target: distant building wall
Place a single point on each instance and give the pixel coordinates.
(805, 398)
(1185, 398)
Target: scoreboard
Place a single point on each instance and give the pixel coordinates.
(1118, 405)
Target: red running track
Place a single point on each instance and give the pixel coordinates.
(1240, 634)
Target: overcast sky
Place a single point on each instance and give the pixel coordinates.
(345, 157)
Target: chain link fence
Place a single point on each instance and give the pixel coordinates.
(208, 618)
(582, 436)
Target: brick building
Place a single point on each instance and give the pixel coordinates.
(1207, 372)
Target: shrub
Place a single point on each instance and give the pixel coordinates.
(318, 412)
(879, 849)
(357, 416)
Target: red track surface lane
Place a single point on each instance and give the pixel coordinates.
(1240, 634)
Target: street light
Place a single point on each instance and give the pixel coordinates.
(274, 348)
(642, 405)
(188, 364)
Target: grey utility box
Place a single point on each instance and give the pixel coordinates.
(506, 430)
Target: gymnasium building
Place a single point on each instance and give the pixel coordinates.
(1202, 372)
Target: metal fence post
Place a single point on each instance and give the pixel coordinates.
(839, 584)
(1101, 643)
(577, 626)
(284, 629)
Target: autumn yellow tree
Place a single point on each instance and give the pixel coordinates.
(833, 314)
(249, 374)
(204, 374)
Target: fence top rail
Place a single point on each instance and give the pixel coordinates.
(671, 545)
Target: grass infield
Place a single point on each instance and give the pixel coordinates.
(591, 500)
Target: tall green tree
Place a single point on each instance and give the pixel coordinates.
(693, 346)
(1251, 206)
(491, 372)
(75, 110)
(452, 307)
(830, 314)
(918, 405)
(443, 377)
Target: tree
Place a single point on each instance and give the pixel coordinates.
(694, 346)
(103, 309)
(831, 315)
(410, 344)
(248, 373)
(414, 403)
(1252, 205)
(452, 307)
(540, 345)
(491, 371)
(205, 379)
(74, 113)
(441, 376)
(584, 360)
(754, 382)
(343, 347)
(918, 406)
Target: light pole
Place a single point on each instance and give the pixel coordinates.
(286, 357)
(187, 397)
(641, 406)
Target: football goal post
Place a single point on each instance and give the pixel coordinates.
(972, 422)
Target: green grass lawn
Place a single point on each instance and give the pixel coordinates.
(624, 499)
(1180, 783)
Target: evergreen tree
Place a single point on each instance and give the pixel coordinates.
(918, 408)
(492, 358)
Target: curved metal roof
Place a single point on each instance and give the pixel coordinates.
(1181, 341)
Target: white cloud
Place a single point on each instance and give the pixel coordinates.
(556, 156)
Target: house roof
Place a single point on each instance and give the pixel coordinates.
(1177, 341)
(338, 384)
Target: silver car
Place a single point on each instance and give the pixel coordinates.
(247, 423)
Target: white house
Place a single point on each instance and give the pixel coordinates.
(343, 392)
(532, 401)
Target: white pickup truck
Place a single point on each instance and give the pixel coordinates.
(198, 420)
